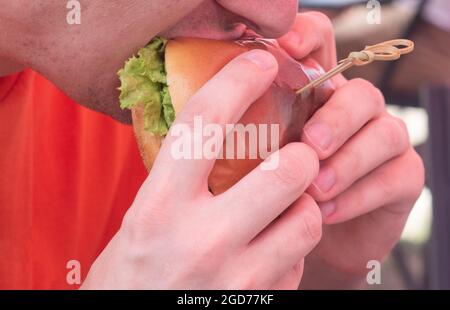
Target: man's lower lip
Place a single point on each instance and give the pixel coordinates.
(239, 31)
(249, 34)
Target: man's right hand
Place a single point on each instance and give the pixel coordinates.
(177, 235)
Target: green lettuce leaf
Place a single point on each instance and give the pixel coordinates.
(144, 81)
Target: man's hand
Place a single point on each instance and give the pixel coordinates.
(370, 176)
(177, 235)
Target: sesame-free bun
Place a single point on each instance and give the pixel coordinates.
(190, 63)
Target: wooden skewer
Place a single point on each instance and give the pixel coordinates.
(385, 51)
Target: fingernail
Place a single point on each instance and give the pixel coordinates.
(261, 59)
(325, 180)
(320, 135)
(327, 208)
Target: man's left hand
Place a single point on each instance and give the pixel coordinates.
(370, 175)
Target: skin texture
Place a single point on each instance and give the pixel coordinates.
(112, 31)
(369, 178)
(215, 242)
(208, 241)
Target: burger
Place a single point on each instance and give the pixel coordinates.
(163, 76)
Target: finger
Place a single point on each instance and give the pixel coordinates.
(261, 196)
(375, 144)
(396, 184)
(221, 101)
(312, 34)
(285, 242)
(291, 280)
(348, 110)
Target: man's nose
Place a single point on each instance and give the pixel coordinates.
(272, 18)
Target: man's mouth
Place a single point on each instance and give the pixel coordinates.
(238, 31)
(232, 32)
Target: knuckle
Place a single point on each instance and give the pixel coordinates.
(132, 223)
(383, 182)
(129, 225)
(311, 225)
(363, 84)
(288, 176)
(370, 91)
(139, 225)
(239, 81)
(357, 201)
(147, 216)
(324, 21)
(137, 235)
(351, 159)
(298, 165)
(237, 77)
(393, 132)
(339, 109)
(195, 118)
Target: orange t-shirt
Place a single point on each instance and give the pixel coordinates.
(67, 176)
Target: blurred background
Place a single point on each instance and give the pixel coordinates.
(417, 89)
